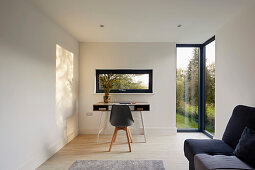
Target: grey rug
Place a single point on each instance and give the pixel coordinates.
(118, 165)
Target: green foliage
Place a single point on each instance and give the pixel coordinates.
(187, 93)
(191, 79)
(210, 118)
(126, 82)
(187, 117)
(183, 124)
(119, 81)
(210, 84)
(179, 93)
(180, 87)
(189, 111)
(107, 82)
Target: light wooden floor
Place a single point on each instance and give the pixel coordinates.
(84, 147)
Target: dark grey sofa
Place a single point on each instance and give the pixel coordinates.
(242, 116)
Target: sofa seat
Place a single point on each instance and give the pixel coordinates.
(208, 146)
(211, 162)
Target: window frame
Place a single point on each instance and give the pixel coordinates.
(201, 87)
(203, 97)
(126, 71)
(199, 70)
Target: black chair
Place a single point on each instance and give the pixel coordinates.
(121, 118)
(242, 116)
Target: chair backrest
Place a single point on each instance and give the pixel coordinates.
(121, 116)
(242, 116)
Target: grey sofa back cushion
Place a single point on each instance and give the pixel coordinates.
(242, 116)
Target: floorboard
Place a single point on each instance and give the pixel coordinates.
(84, 147)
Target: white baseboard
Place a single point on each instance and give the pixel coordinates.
(71, 136)
(136, 131)
(40, 157)
(161, 131)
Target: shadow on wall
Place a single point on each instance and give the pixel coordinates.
(65, 92)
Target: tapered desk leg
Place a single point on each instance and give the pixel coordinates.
(143, 126)
(106, 119)
(99, 127)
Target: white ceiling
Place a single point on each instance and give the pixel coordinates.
(142, 20)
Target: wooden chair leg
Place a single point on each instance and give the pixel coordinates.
(130, 135)
(114, 136)
(126, 130)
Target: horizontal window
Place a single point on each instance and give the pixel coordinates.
(129, 81)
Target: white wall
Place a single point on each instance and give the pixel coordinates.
(235, 67)
(157, 56)
(28, 129)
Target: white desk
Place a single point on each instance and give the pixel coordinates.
(106, 107)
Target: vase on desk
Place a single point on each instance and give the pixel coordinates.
(107, 99)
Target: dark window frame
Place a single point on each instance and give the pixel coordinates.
(126, 71)
(201, 87)
(203, 97)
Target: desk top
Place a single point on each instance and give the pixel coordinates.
(130, 104)
(101, 106)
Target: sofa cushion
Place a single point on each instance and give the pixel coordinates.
(242, 116)
(208, 146)
(245, 149)
(207, 162)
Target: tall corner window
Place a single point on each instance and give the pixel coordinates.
(195, 87)
(210, 87)
(130, 80)
(187, 87)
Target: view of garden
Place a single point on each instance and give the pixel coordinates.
(187, 89)
(129, 81)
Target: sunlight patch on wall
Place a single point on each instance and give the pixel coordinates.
(64, 85)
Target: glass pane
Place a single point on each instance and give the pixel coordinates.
(210, 87)
(187, 88)
(130, 81)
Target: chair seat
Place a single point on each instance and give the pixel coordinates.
(208, 146)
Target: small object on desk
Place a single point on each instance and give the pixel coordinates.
(102, 109)
(125, 102)
(133, 102)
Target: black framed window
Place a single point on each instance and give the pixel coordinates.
(187, 88)
(209, 94)
(130, 80)
(195, 87)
